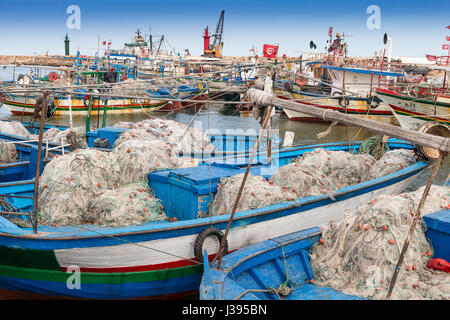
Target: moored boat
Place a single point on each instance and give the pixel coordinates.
(159, 258)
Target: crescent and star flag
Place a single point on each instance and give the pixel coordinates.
(104, 43)
(430, 57)
(447, 38)
(330, 31)
(270, 51)
(448, 27)
(445, 46)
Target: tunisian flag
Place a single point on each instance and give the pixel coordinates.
(270, 51)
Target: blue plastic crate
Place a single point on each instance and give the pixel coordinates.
(438, 231)
(187, 192)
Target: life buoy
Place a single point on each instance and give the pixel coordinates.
(373, 101)
(51, 107)
(53, 76)
(344, 102)
(198, 245)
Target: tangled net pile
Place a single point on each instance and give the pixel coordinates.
(134, 203)
(8, 152)
(323, 172)
(76, 137)
(257, 193)
(320, 172)
(15, 128)
(73, 187)
(137, 158)
(176, 134)
(358, 255)
(391, 162)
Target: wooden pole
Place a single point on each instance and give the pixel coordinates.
(38, 163)
(436, 142)
(417, 216)
(238, 197)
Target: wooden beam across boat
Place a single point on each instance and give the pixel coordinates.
(261, 98)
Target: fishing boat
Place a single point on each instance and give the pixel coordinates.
(350, 92)
(257, 272)
(163, 259)
(417, 103)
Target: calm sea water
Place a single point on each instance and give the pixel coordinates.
(225, 119)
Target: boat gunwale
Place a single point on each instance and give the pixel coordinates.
(215, 220)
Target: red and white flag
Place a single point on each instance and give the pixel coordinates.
(104, 43)
(270, 51)
(448, 27)
(252, 50)
(330, 31)
(445, 46)
(447, 38)
(430, 57)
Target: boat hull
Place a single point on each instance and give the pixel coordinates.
(22, 105)
(357, 106)
(412, 113)
(143, 261)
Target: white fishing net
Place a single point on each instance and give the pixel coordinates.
(177, 134)
(358, 255)
(8, 152)
(131, 204)
(76, 137)
(258, 192)
(70, 181)
(137, 158)
(15, 128)
(392, 161)
(73, 187)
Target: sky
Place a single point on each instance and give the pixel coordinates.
(36, 26)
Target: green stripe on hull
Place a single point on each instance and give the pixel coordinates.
(39, 259)
(99, 278)
(440, 104)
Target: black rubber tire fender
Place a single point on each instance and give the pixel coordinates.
(198, 245)
(373, 101)
(344, 102)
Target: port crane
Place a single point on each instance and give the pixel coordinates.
(215, 49)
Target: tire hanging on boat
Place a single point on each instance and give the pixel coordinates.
(198, 245)
(373, 101)
(344, 102)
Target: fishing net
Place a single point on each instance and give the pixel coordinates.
(257, 193)
(323, 172)
(340, 167)
(392, 161)
(70, 181)
(8, 152)
(137, 158)
(76, 137)
(132, 204)
(177, 134)
(358, 255)
(15, 128)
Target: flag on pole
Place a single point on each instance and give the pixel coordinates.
(104, 43)
(447, 38)
(330, 31)
(252, 50)
(448, 27)
(430, 57)
(270, 51)
(445, 46)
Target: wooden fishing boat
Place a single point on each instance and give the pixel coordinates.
(417, 104)
(20, 104)
(160, 259)
(360, 101)
(257, 271)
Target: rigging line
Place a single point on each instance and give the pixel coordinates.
(139, 245)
